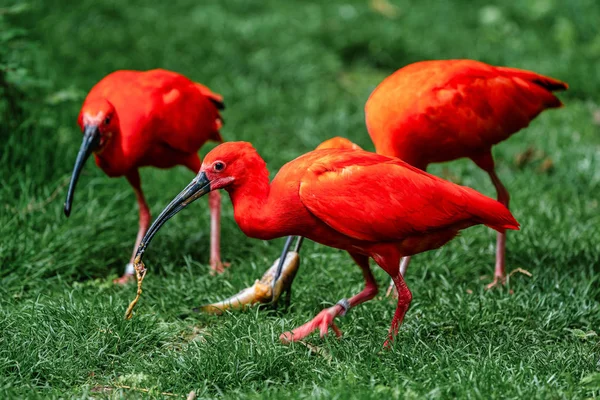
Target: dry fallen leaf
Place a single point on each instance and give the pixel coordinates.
(385, 8)
(524, 157)
(546, 166)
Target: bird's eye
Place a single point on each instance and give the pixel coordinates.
(107, 121)
(219, 166)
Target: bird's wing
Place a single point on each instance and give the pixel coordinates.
(463, 105)
(375, 198)
(476, 101)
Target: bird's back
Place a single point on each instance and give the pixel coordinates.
(371, 197)
(163, 115)
(435, 111)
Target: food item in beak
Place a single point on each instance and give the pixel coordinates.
(140, 273)
(262, 292)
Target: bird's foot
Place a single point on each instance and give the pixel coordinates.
(498, 280)
(501, 279)
(392, 291)
(323, 321)
(125, 279)
(218, 267)
(387, 345)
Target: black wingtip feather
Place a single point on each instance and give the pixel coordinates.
(219, 104)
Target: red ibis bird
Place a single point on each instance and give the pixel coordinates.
(132, 119)
(437, 111)
(370, 205)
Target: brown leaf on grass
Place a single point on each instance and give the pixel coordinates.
(546, 166)
(525, 157)
(385, 8)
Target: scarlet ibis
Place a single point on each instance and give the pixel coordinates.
(132, 119)
(437, 111)
(370, 205)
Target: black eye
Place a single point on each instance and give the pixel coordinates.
(107, 121)
(219, 166)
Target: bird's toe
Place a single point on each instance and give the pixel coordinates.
(498, 281)
(218, 267)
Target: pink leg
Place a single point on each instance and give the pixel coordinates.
(388, 258)
(214, 203)
(404, 300)
(134, 180)
(404, 262)
(324, 320)
(486, 162)
(504, 198)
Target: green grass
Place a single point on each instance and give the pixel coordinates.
(294, 74)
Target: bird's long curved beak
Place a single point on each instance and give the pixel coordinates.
(91, 141)
(196, 189)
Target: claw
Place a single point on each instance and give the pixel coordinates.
(218, 267)
(501, 280)
(323, 321)
(498, 280)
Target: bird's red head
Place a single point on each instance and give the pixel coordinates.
(98, 117)
(99, 123)
(227, 166)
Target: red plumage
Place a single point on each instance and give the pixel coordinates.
(158, 118)
(437, 111)
(370, 205)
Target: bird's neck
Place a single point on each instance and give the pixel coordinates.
(250, 200)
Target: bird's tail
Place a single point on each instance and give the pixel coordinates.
(544, 84)
(490, 212)
(217, 101)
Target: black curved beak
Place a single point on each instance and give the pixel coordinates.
(196, 189)
(91, 141)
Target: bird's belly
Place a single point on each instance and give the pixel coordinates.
(163, 157)
(329, 237)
